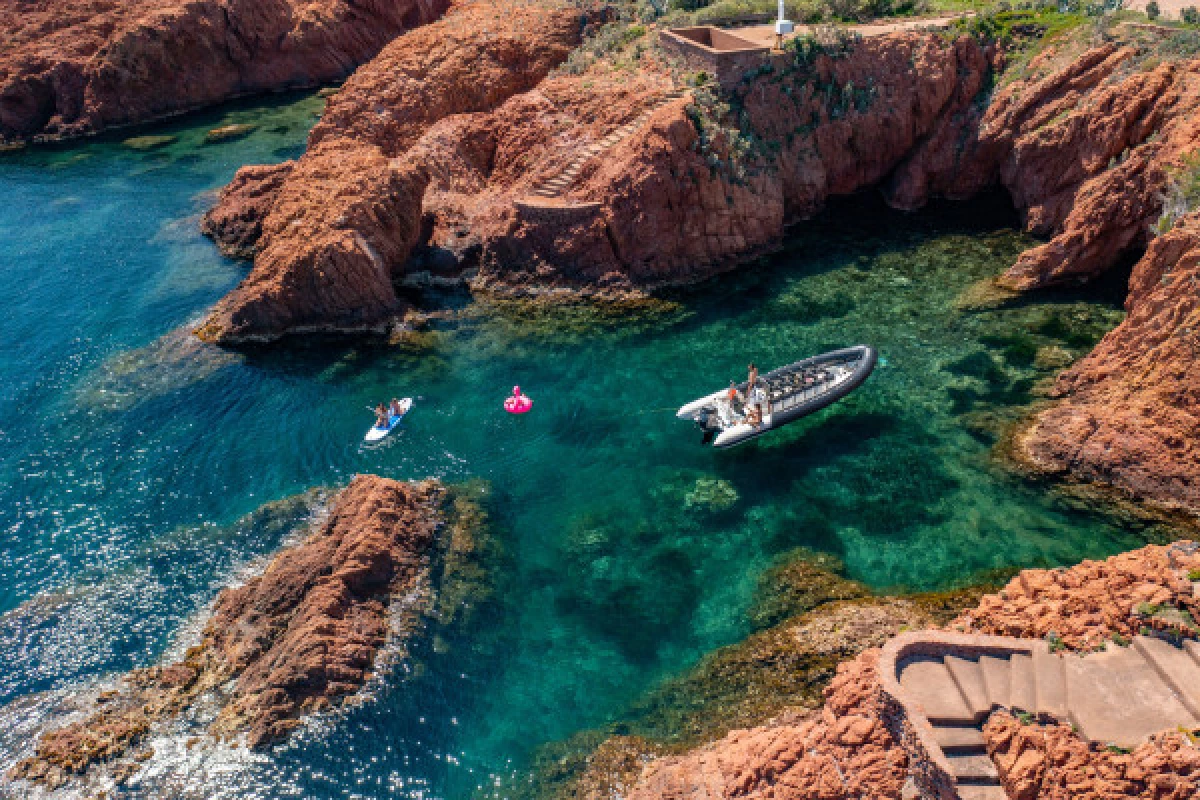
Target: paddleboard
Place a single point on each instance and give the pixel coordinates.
(376, 433)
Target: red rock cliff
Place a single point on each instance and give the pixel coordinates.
(73, 67)
(333, 231)
(1129, 413)
(1083, 141)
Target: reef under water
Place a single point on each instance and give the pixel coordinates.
(133, 458)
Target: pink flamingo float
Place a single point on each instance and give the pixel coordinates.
(518, 403)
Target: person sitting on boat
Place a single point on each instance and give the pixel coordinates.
(394, 408)
(755, 416)
(732, 395)
(381, 416)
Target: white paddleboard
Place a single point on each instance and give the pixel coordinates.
(376, 433)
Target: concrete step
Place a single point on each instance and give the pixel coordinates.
(1022, 692)
(1117, 696)
(983, 792)
(996, 679)
(973, 769)
(1175, 666)
(1193, 649)
(959, 739)
(928, 683)
(1050, 683)
(969, 679)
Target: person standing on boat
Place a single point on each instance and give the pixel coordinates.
(753, 379)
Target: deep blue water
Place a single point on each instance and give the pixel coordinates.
(130, 456)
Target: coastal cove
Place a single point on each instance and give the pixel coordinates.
(133, 458)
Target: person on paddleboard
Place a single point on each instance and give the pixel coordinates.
(381, 416)
(395, 408)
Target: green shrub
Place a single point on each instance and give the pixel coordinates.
(1147, 609)
(1152, 10)
(1121, 641)
(1190, 16)
(1193, 575)
(1182, 195)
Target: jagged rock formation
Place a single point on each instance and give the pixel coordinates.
(1083, 140)
(844, 752)
(1129, 414)
(663, 206)
(334, 230)
(74, 67)
(1051, 763)
(289, 642)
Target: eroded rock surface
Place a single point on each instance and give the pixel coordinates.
(333, 232)
(843, 752)
(1050, 762)
(288, 642)
(1129, 413)
(73, 67)
(1088, 604)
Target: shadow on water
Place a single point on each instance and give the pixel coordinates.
(837, 239)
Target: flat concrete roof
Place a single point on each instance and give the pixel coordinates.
(764, 35)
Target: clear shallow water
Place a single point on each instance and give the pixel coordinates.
(130, 455)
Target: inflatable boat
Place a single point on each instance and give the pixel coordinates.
(781, 396)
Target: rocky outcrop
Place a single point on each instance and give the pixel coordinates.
(1089, 604)
(858, 747)
(235, 223)
(1129, 413)
(845, 751)
(1052, 763)
(290, 641)
(80, 66)
(672, 202)
(334, 233)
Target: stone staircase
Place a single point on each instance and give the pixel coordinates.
(948, 685)
(553, 187)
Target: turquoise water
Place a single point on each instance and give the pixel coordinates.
(130, 457)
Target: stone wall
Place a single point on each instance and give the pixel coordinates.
(723, 55)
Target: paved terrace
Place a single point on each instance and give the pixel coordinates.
(764, 35)
(947, 685)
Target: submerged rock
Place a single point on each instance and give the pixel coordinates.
(150, 142)
(228, 133)
(711, 494)
(289, 642)
(850, 748)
